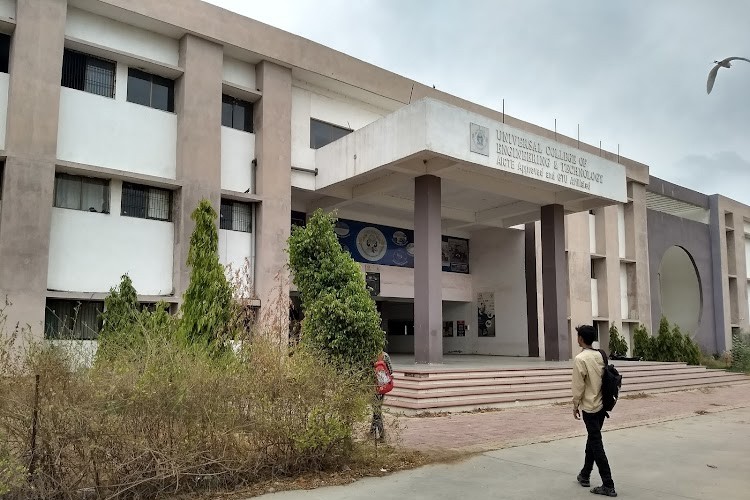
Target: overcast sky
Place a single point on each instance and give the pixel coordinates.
(630, 72)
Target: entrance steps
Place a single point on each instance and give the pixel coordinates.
(441, 389)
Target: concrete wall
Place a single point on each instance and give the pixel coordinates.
(497, 265)
(30, 144)
(666, 231)
(312, 102)
(680, 290)
(89, 252)
(121, 37)
(113, 133)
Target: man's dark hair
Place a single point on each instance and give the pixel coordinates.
(587, 333)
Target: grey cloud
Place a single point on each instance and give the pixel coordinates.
(631, 72)
(726, 173)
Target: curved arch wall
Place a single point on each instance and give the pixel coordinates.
(679, 285)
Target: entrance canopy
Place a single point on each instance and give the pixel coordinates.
(494, 175)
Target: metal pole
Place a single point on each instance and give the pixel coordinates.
(503, 110)
(579, 136)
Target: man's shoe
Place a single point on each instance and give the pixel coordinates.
(583, 481)
(604, 490)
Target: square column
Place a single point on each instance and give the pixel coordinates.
(531, 305)
(428, 300)
(557, 345)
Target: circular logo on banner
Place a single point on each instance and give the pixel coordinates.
(371, 244)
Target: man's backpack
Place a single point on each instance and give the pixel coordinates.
(611, 383)
(383, 377)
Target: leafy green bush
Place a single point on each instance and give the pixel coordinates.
(207, 306)
(617, 344)
(670, 345)
(741, 352)
(340, 315)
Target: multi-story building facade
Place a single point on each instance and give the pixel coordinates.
(479, 233)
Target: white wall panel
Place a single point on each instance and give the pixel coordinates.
(239, 73)
(89, 252)
(96, 130)
(237, 154)
(4, 80)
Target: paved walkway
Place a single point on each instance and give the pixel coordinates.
(477, 432)
(702, 457)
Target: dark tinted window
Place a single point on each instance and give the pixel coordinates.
(322, 133)
(4, 52)
(236, 216)
(88, 73)
(162, 94)
(150, 90)
(146, 202)
(73, 319)
(236, 113)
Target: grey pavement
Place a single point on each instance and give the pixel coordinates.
(701, 457)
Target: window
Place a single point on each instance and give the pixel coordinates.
(4, 52)
(73, 319)
(2, 176)
(236, 216)
(322, 133)
(150, 90)
(236, 113)
(146, 202)
(88, 73)
(81, 193)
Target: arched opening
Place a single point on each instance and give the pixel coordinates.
(680, 290)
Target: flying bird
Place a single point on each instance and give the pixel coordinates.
(720, 64)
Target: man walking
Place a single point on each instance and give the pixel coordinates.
(587, 401)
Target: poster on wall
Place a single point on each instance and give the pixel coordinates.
(486, 314)
(373, 283)
(392, 246)
(447, 328)
(460, 328)
(458, 253)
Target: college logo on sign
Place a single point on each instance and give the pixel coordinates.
(480, 139)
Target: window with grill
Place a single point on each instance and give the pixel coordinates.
(81, 193)
(236, 113)
(236, 216)
(150, 90)
(88, 73)
(73, 319)
(322, 133)
(146, 202)
(4, 52)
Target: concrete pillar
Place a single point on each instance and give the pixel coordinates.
(641, 255)
(611, 278)
(198, 108)
(557, 344)
(273, 133)
(578, 230)
(428, 301)
(31, 148)
(531, 302)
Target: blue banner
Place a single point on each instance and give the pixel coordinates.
(391, 246)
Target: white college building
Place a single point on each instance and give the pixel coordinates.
(479, 233)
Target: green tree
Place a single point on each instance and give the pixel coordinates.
(642, 343)
(207, 303)
(340, 315)
(617, 344)
(120, 308)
